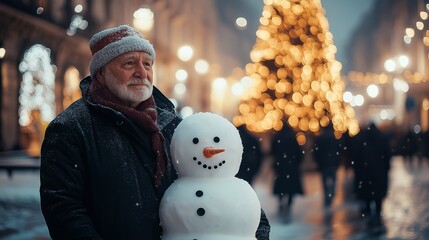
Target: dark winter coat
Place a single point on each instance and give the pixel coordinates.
(252, 156)
(327, 151)
(97, 173)
(287, 160)
(408, 145)
(373, 165)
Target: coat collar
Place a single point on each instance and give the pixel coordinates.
(165, 108)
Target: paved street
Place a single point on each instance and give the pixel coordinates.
(405, 210)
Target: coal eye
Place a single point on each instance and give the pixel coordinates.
(195, 140)
(216, 139)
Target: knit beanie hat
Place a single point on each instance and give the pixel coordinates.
(112, 42)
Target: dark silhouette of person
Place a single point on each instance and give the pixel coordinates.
(408, 146)
(372, 169)
(347, 158)
(425, 148)
(287, 158)
(422, 145)
(352, 154)
(252, 155)
(327, 150)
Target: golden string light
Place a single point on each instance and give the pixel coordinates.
(365, 79)
(296, 78)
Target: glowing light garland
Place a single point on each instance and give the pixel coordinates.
(365, 79)
(37, 86)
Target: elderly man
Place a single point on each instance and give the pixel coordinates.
(105, 159)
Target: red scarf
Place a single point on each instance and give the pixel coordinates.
(144, 115)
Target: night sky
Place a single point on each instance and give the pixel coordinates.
(343, 15)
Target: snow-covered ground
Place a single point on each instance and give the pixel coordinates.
(405, 210)
(20, 213)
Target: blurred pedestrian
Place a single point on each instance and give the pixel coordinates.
(420, 148)
(287, 159)
(252, 155)
(346, 156)
(327, 151)
(373, 167)
(425, 139)
(408, 147)
(353, 154)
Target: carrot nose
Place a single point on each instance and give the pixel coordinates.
(210, 152)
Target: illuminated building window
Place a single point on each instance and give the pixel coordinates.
(71, 91)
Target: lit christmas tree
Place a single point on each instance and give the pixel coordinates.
(296, 78)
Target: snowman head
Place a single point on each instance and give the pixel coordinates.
(206, 145)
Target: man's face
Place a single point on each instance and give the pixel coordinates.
(129, 77)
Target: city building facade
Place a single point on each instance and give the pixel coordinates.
(389, 51)
(44, 53)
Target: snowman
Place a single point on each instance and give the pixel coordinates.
(207, 201)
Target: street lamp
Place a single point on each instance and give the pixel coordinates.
(181, 75)
(218, 92)
(143, 19)
(397, 66)
(2, 52)
(185, 53)
(397, 63)
(372, 90)
(201, 66)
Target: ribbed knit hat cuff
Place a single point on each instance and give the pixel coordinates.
(131, 41)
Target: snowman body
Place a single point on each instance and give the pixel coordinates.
(225, 209)
(207, 202)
